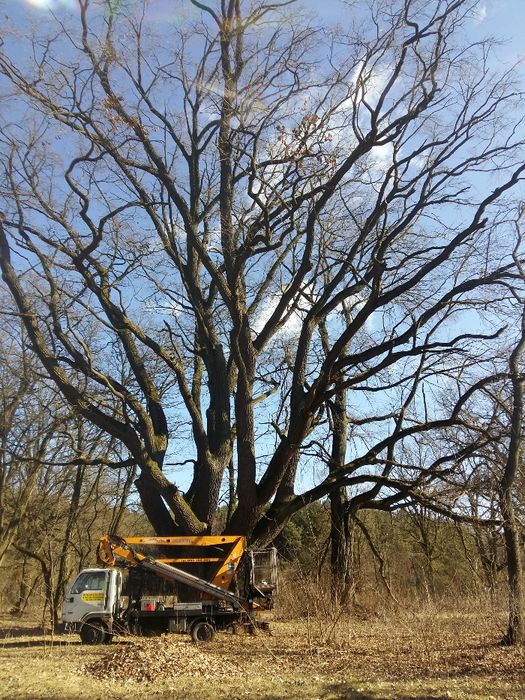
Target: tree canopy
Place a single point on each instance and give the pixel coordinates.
(216, 229)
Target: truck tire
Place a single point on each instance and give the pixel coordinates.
(93, 632)
(202, 632)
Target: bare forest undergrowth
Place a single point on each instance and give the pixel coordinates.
(425, 654)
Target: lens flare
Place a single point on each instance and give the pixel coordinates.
(153, 10)
(50, 4)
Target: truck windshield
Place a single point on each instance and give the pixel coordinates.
(90, 581)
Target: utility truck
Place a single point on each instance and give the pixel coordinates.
(102, 602)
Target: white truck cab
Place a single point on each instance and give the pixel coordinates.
(91, 603)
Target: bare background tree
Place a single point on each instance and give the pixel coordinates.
(54, 480)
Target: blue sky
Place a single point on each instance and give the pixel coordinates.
(504, 18)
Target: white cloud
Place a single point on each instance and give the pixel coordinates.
(291, 328)
(294, 322)
(369, 82)
(381, 156)
(480, 14)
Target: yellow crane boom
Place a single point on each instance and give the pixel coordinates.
(112, 550)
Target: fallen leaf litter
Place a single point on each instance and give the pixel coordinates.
(163, 657)
(448, 648)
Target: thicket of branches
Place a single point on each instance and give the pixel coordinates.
(56, 492)
(284, 253)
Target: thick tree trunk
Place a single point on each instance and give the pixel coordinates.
(246, 514)
(516, 629)
(340, 545)
(159, 496)
(154, 507)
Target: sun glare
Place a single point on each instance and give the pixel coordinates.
(156, 10)
(49, 4)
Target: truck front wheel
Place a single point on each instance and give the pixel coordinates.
(93, 632)
(202, 632)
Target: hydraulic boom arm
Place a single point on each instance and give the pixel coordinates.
(112, 549)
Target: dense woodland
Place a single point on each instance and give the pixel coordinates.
(282, 255)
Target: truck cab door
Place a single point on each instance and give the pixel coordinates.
(89, 593)
(114, 591)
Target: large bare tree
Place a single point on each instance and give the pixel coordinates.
(259, 215)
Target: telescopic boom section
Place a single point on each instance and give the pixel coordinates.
(113, 551)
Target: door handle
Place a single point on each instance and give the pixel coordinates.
(71, 600)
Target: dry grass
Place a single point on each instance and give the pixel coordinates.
(426, 654)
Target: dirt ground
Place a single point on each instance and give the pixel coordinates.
(418, 655)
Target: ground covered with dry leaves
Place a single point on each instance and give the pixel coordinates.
(427, 654)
